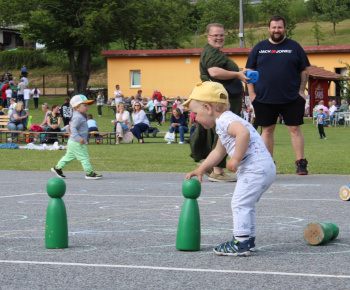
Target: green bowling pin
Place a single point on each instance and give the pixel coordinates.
(56, 229)
(189, 228)
(319, 233)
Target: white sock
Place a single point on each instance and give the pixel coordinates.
(242, 239)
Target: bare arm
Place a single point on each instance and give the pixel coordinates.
(222, 74)
(20, 118)
(53, 126)
(251, 92)
(48, 121)
(212, 160)
(304, 78)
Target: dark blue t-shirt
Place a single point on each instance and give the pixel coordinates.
(181, 120)
(279, 67)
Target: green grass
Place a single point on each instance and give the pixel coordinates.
(328, 156)
(302, 34)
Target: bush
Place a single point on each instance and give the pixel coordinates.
(15, 59)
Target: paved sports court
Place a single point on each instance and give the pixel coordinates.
(122, 234)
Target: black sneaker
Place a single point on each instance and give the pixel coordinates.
(301, 165)
(155, 131)
(93, 175)
(58, 172)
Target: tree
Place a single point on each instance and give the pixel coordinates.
(318, 34)
(345, 83)
(81, 28)
(279, 7)
(156, 24)
(333, 11)
(225, 12)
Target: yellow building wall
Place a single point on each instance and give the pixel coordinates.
(177, 75)
(329, 62)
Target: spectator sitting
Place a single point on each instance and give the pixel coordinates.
(344, 107)
(321, 106)
(92, 126)
(46, 110)
(138, 96)
(332, 111)
(1, 113)
(18, 120)
(54, 123)
(150, 107)
(178, 104)
(178, 124)
(157, 111)
(141, 123)
(122, 123)
(12, 106)
(192, 124)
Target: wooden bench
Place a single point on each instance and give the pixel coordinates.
(4, 119)
(104, 136)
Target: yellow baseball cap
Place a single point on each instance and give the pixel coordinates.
(211, 92)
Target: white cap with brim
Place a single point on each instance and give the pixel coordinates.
(211, 92)
(80, 99)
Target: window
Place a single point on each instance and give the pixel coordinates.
(135, 77)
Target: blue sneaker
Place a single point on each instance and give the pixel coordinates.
(233, 248)
(252, 244)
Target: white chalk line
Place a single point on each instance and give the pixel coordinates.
(19, 195)
(173, 196)
(226, 196)
(177, 269)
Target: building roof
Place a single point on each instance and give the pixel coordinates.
(16, 31)
(316, 72)
(227, 51)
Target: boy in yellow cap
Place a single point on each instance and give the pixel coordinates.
(249, 158)
(77, 140)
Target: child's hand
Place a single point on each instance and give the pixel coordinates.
(196, 172)
(81, 141)
(232, 165)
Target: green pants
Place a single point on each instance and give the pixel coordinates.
(76, 151)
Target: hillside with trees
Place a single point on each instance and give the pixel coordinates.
(75, 31)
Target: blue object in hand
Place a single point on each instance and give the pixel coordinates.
(253, 75)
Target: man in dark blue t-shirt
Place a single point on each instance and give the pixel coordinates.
(283, 73)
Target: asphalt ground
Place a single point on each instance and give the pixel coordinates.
(122, 234)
